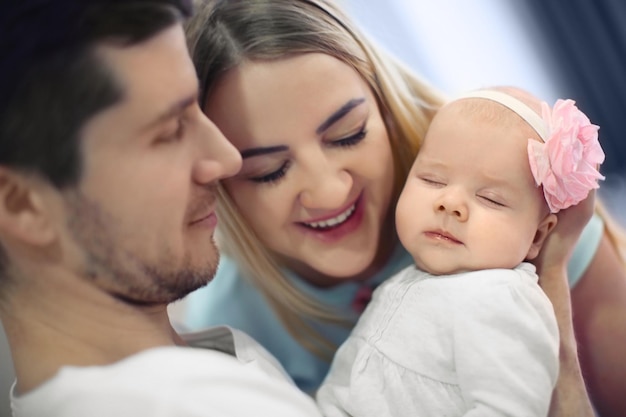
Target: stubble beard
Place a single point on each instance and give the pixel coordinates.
(122, 271)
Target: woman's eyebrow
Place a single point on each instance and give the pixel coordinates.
(247, 153)
(345, 109)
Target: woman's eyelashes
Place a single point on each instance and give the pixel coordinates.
(352, 139)
(278, 174)
(273, 176)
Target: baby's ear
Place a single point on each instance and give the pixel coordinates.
(543, 230)
(23, 214)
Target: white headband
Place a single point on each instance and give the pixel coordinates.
(531, 117)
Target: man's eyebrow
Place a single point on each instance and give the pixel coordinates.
(174, 110)
(247, 153)
(345, 109)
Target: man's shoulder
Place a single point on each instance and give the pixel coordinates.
(239, 345)
(181, 381)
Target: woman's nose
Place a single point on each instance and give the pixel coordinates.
(326, 188)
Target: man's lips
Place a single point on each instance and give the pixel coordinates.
(202, 218)
(208, 221)
(203, 206)
(203, 213)
(442, 236)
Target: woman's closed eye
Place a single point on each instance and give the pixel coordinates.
(351, 140)
(274, 176)
(278, 174)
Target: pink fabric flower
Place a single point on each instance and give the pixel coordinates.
(566, 165)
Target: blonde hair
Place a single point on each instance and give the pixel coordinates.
(613, 230)
(221, 35)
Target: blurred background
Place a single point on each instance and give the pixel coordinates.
(574, 49)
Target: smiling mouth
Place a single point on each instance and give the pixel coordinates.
(334, 222)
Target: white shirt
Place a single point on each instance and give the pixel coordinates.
(481, 343)
(232, 377)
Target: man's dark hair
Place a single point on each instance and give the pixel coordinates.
(52, 81)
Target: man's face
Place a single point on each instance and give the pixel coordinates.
(140, 222)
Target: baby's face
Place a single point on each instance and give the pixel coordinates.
(470, 201)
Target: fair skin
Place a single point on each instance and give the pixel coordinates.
(599, 304)
(570, 397)
(245, 105)
(318, 172)
(477, 209)
(134, 234)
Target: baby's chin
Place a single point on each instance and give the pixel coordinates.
(435, 268)
(442, 268)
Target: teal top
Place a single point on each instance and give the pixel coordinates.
(232, 300)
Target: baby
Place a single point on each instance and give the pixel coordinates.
(467, 330)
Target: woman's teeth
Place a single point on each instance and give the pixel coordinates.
(334, 221)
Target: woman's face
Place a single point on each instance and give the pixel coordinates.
(317, 176)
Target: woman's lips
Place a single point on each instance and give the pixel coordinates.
(333, 221)
(351, 219)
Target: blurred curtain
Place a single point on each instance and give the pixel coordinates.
(587, 40)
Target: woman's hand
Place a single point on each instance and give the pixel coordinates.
(570, 397)
(559, 244)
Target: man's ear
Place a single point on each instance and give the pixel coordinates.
(543, 230)
(23, 214)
